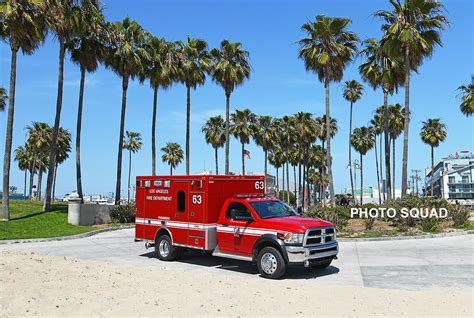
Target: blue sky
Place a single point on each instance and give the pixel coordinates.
(279, 85)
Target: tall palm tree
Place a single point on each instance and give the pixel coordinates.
(172, 155)
(132, 143)
(194, 62)
(230, 68)
(39, 142)
(412, 30)
(243, 127)
(327, 50)
(264, 137)
(24, 157)
(87, 49)
(467, 99)
(321, 123)
(64, 19)
(315, 160)
(396, 119)
(432, 133)
(362, 139)
(352, 92)
(162, 72)
(63, 150)
(127, 57)
(214, 133)
(23, 26)
(378, 127)
(3, 99)
(385, 72)
(276, 160)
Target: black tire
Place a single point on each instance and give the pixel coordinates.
(321, 265)
(271, 263)
(164, 249)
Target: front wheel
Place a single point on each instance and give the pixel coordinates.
(270, 263)
(165, 250)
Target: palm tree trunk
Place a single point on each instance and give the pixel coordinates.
(32, 175)
(227, 131)
(40, 181)
(283, 180)
(303, 187)
(361, 179)
(299, 186)
(328, 146)
(308, 195)
(294, 176)
(381, 161)
(9, 137)
(432, 167)
(265, 167)
(120, 143)
(217, 159)
(323, 171)
(287, 184)
(406, 124)
(78, 134)
(277, 183)
(393, 168)
(54, 180)
(171, 170)
(54, 137)
(243, 159)
(153, 131)
(129, 173)
(188, 123)
(377, 168)
(24, 184)
(350, 151)
(388, 182)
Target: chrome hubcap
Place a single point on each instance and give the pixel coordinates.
(268, 263)
(164, 248)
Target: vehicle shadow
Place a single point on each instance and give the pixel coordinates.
(202, 259)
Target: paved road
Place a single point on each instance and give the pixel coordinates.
(406, 264)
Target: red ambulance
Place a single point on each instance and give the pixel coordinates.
(229, 216)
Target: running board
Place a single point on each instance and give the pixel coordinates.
(217, 252)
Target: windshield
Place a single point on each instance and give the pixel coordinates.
(272, 209)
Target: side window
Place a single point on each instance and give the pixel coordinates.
(239, 208)
(181, 201)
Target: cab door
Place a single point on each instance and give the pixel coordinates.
(196, 232)
(238, 230)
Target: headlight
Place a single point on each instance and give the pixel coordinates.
(292, 238)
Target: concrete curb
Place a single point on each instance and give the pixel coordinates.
(401, 238)
(64, 238)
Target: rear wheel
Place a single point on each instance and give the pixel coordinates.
(270, 263)
(165, 250)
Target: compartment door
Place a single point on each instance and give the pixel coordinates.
(196, 230)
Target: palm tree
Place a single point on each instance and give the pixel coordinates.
(412, 30)
(3, 99)
(64, 19)
(321, 123)
(132, 143)
(23, 27)
(467, 102)
(214, 133)
(87, 49)
(243, 127)
(172, 155)
(352, 92)
(230, 67)
(396, 119)
(264, 137)
(287, 139)
(276, 160)
(24, 157)
(378, 127)
(127, 57)
(63, 150)
(327, 50)
(432, 133)
(381, 71)
(194, 62)
(39, 142)
(362, 139)
(315, 159)
(162, 72)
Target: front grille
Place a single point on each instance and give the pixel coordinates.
(319, 236)
(323, 250)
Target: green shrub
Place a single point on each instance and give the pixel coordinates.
(459, 214)
(338, 216)
(123, 213)
(429, 224)
(369, 223)
(283, 194)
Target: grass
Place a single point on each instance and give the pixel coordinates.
(27, 220)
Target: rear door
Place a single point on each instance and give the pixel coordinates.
(140, 210)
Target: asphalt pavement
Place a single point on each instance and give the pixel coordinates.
(406, 264)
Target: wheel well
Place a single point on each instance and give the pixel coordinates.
(265, 243)
(162, 232)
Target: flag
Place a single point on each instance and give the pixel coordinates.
(246, 154)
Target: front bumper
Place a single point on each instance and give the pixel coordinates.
(300, 254)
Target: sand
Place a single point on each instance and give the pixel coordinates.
(34, 284)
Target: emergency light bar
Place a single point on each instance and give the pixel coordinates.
(254, 195)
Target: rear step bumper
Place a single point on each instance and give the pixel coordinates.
(300, 254)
